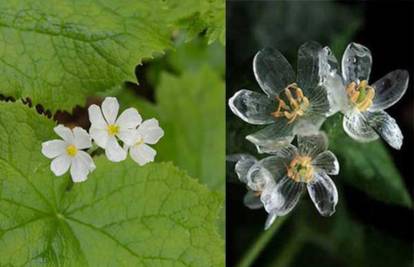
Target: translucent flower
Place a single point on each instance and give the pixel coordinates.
(291, 104)
(362, 103)
(149, 132)
(293, 169)
(106, 128)
(67, 153)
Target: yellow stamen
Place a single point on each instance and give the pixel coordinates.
(300, 169)
(360, 95)
(113, 129)
(297, 104)
(71, 150)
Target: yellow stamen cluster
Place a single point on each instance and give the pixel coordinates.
(139, 142)
(71, 150)
(300, 169)
(113, 129)
(296, 106)
(360, 95)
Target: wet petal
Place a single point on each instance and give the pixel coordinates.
(110, 108)
(309, 125)
(258, 177)
(323, 193)
(252, 200)
(273, 72)
(386, 127)
(61, 164)
(270, 220)
(327, 162)
(318, 101)
(243, 165)
(252, 107)
(100, 136)
(53, 148)
(276, 165)
(150, 131)
(142, 154)
(273, 137)
(96, 118)
(312, 145)
(82, 140)
(356, 63)
(356, 127)
(114, 151)
(389, 89)
(308, 65)
(64, 132)
(129, 118)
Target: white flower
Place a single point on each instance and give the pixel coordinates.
(106, 127)
(363, 104)
(149, 132)
(67, 153)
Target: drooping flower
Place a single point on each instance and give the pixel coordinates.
(294, 169)
(362, 103)
(149, 132)
(291, 104)
(106, 128)
(68, 153)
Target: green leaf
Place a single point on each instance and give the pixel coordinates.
(123, 215)
(59, 55)
(367, 166)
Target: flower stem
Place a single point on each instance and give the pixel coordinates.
(261, 243)
(289, 250)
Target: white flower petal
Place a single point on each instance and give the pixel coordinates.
(273, 72)
(252, 200)
(87, 159)
(258, 177)
(129, 118)
(323, 193)
(386, 127)
(312, 145)
(272, 137)
(356, 127)
(243, 165)
(327, 162)
(113, 151)
(253, 107)
(65, 133)
(356, 63)
(389, 89)
(308, 65)
(53, 148)
(129, 136)
(150, 131)
(100, 136)
(81, 166)
(96, 118)
(270, 220)
(142, 154)
(110, 108)
(82, 140)
(61, 164)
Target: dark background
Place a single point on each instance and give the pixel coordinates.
(387, 30)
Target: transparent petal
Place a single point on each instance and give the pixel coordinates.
(53, 148)
(65, 133)
(270, 220)
(96, 118)
(356, 63)
(150, 131)
(288, 152)
(327, 162)
(276, 165)
(243, 165)
(61, 164)
(82, 140)
(100, 136)
(356, 127)
(142, 154)
(258, 177)
(389, 89)
(252, 200)
(113, 151)
(129, 119)
(323, 193)
(309, 124)
(318, 101)
(386, 127)
(273, 72)
(272, 137)
(308, 65)
(312, 145)
(252, 107)
(110, 108)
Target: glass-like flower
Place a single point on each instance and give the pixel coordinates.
(67, 153)
(362, 103)
(149, 132)
(106, 128)
(291, 104)
(294, 169)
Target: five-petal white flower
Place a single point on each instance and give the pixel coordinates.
(106, 127)
(67, 153)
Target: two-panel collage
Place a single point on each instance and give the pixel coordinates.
(206, 133)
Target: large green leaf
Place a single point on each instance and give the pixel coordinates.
(367, 166)
(123, 215)
(58, 52)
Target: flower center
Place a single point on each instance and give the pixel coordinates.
(113, 129)
(360, 95)
(300, 169)
(294, 105)
(139, 142)
(71, 150)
